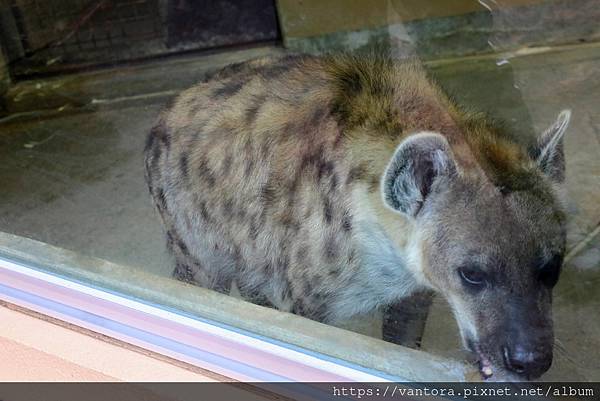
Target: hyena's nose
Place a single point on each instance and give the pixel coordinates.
(526, 362)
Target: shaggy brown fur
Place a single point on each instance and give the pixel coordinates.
(271, 174)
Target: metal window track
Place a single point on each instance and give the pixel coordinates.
(209, 345)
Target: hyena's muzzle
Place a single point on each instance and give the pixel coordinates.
(513, 337)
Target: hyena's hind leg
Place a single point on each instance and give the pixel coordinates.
(193, 270)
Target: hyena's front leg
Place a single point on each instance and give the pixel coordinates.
(404, 321)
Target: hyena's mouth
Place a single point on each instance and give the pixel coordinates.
(484, 363)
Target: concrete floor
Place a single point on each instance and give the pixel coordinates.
(71, 171)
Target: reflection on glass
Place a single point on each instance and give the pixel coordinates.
(363, 191)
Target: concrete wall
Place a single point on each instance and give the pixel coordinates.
(306, 18)
(435, 28)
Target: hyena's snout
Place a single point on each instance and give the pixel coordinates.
(513, 341)
(528, 358)
(527, 349)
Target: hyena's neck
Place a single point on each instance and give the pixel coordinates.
(388, 247)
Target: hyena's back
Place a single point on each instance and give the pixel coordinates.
(252, 177)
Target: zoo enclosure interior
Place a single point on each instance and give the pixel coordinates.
(72, 176)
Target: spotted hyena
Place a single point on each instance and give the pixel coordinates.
(333, 186)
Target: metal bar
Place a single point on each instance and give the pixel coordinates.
(18, 17)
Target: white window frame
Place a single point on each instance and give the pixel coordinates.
(221, 348)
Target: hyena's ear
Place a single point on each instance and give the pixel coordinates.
(548, 152)
(417, 164)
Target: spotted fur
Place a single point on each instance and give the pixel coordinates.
(332, 186)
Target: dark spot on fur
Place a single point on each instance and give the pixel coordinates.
(283, 262)
(320, 312)
(183, 272)
(156, 151)
(265, 150)
(333, 183)
(352, 256)
(268, 269)
(316, 118)
(188, 223)
(152, 172)
(252, 230)
(221, 283)
(161, 203)
(170, 241)
(274, 71)
(289, 129)
(253, 110)
(229, 71)
(330, 249)
(204, 211)
(150, 140)
(183, 165)
(351, 82)
(249, 167)
(237, 255)
(287, 219)
(241, 214)
(308, 212)
(227, 208)
(325, 168)
(262, 219)
(347, 221)
(302, 253)
(373, 183)
(183, 247)
(158, 132)
(165, 139)
(286, 291)
(298, 308)
(229, 88)
(327, 211)
(226, 166)
(205, 172)
(316, 281)
(338, 139)
(268, 194)
(377, 87)
(314, 159)
(291, 197)
(316, 310)
(194, 109)
(356, 173)
(307, 290)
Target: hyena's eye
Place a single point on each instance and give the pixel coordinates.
(549, 272)
(473, 277)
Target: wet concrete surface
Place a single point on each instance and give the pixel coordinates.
(72, 173)
(72, 167)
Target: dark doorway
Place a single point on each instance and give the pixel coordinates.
(219, 23)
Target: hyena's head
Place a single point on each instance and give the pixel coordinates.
(491, 239)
